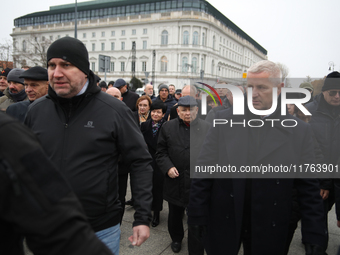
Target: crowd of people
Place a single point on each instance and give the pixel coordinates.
(65, 168)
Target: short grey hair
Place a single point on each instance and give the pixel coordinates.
(267, 66)
(192, 89)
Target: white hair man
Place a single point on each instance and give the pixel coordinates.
(252, 210)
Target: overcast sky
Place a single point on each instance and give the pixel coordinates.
(302, 34)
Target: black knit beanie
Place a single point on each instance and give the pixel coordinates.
(71, 50)
(332, 81)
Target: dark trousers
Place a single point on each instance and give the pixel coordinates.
(176, 230)
(122, 186)
(327, 205)
(157, 190)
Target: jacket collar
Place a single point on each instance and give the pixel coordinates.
(274, 138)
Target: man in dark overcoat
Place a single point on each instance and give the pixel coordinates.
(256, 212)
(173, 158)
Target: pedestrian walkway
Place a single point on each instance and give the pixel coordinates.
(159, 241)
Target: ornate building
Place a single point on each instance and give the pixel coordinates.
(175, 41)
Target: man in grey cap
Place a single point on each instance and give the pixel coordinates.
(36, 86)
(129, 97)
(166, 98)
(15, 92)
(173, 158)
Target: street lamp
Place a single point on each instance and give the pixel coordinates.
(75, 21)
(331, 66)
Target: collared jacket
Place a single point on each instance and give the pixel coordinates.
(85, 144)
(7, 100)
(18, 110)
(36, 202)
(326, 127)
(130, 99)
(176, 142)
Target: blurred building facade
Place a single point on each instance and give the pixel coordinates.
(175, 40)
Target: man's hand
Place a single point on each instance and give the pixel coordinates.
(173, 173)
(324, 193)
(140, 234)
(338, 223)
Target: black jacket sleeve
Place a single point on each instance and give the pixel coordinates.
(37, 202)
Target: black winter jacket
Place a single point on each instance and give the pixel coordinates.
(130, 99)
(85, 145)
(170, 102)
(37, 202)
(18, 110)
(173, 150)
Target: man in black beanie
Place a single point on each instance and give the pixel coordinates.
(89, 130)
(325, 122)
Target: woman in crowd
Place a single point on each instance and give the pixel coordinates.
(150, 130)
(143, 109)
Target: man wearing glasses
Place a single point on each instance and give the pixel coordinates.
(325, 122)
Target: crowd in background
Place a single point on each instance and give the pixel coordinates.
(93, 135)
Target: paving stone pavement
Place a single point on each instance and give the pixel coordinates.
(159, 241)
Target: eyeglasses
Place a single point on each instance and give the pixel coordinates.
(333, 93)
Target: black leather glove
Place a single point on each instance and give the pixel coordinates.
(314, 249)
(198, 231)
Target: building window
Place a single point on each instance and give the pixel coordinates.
(51, 37)
(112, 66)
(144, 45)
(185, 37)
(214, 42)
(164, 40)
(113, 33)
(203, 39)
(103, 34)
(194, 65)
(164, 64)
(123, 32)
(184, 65)
(133, 31)
(143, 66)
(122, 66)
(202, 63)
(145, 31)
(93, 65)
(58, 36)
(24, 46)
(112, 46)
(93, 34)
(93, 46)
(103, 46)
(43, 38)
(123, 45)
(84, 35)
(212, 67)
(195, 38)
